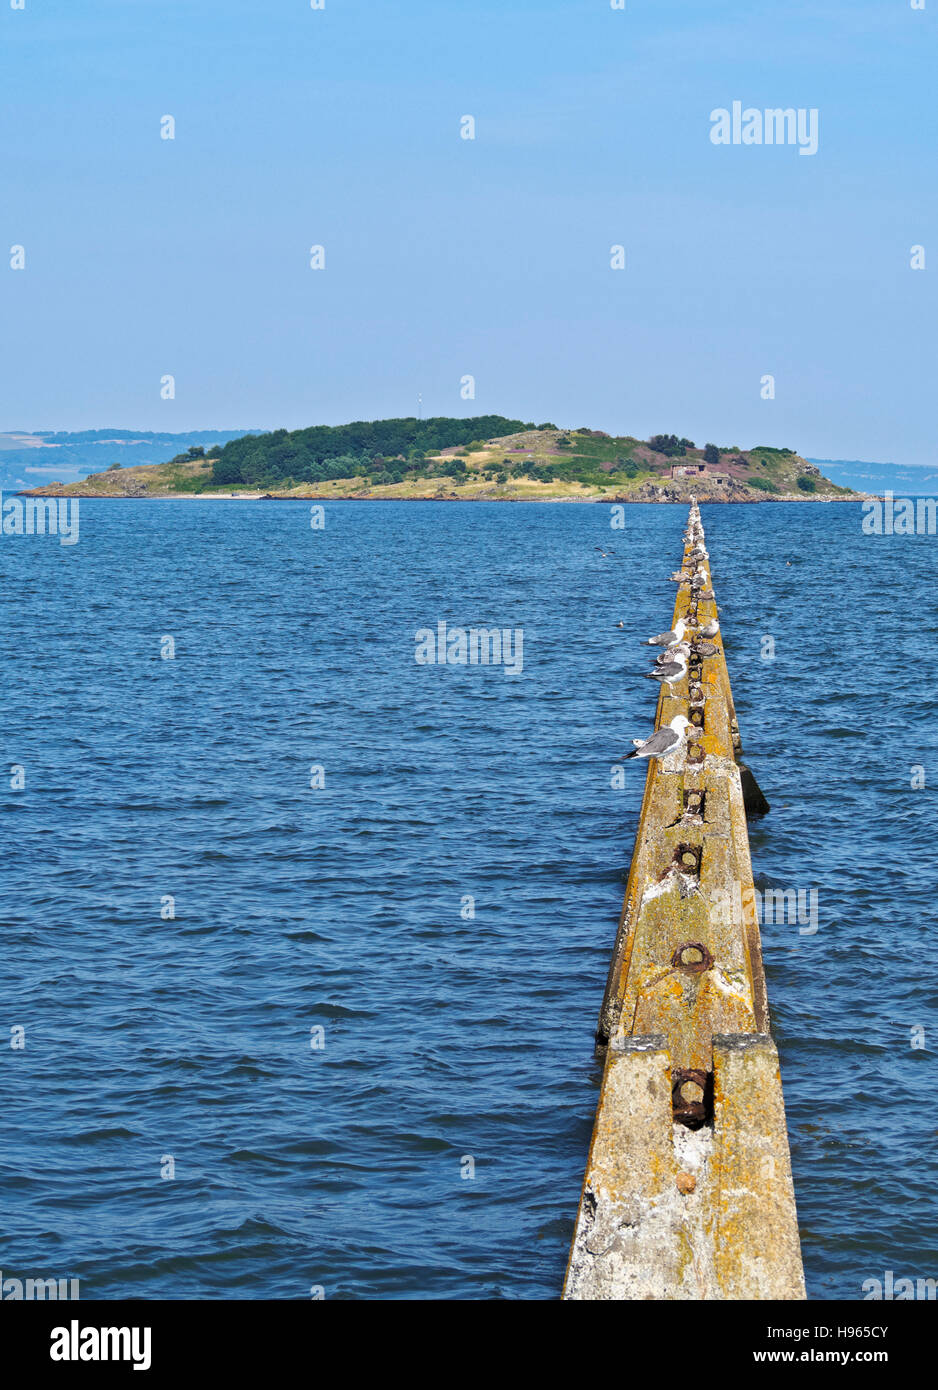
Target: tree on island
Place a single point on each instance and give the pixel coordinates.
(323, 451)
(670, 445)
(711, 455)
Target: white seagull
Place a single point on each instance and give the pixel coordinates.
(711, 630)
(667, 639)
(666, 740)
(669, 671)
(671, 653)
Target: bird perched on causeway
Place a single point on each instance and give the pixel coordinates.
(667, 639)
(711, 629)
(669, 671)
(665, 740)
(675, 650)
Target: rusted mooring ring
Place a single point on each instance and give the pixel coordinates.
(692, 1113)
(694, 967)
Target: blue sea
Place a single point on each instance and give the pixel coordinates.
(306, 941)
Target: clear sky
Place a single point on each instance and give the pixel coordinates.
(447, 257)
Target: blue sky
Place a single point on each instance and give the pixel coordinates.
(447, 257)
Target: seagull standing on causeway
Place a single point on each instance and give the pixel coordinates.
(667, 639)
(672, 653)
(669, 671)
(667, 740)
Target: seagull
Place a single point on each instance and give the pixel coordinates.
(707, 648)
(667, 639)
(672, 653)
(604, 553)
(669, 671)
(712, 628)
(666, 740)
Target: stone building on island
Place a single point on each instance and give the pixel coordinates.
(699, 470)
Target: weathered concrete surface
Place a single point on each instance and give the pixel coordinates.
(688, 1191)
(674, 1213)
(751, 1216)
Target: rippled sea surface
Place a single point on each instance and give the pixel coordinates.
(447, 1037)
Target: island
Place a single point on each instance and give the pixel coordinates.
(486, 457)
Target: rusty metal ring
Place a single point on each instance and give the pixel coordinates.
(692, 1113)
(694, 967)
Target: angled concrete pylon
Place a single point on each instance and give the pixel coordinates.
(688, 1191)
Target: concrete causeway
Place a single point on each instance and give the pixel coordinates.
(688, 1190)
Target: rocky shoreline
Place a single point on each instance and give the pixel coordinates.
(648, 494)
